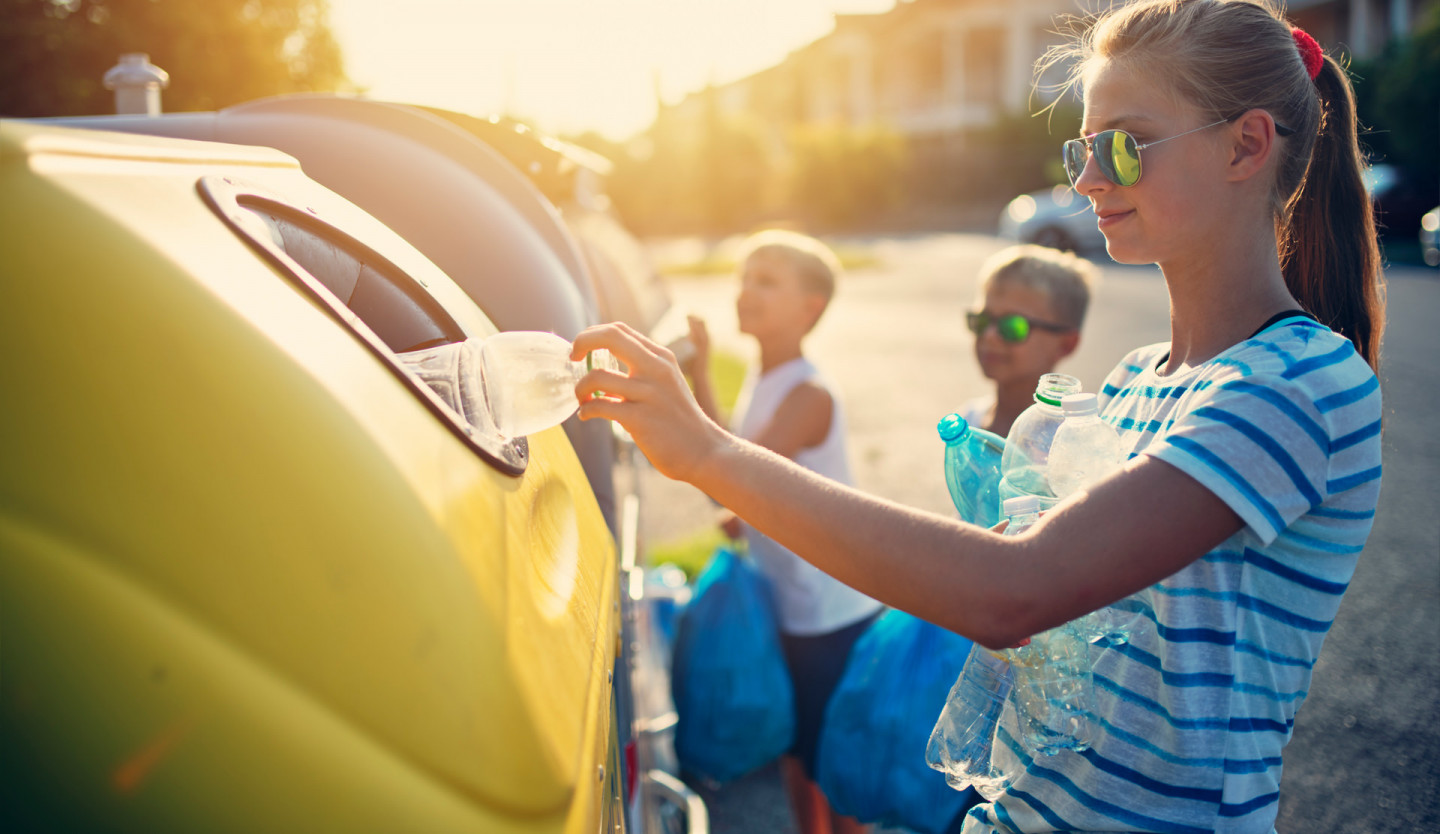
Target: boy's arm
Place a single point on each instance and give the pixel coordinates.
(801, 421)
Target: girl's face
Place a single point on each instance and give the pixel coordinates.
(773, 299)
(1020, 363)
(1173, 213)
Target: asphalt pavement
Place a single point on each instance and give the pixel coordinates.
(1365, 756)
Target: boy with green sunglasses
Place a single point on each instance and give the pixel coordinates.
(1029, 308)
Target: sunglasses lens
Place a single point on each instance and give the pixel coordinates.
(1074, 154)
(977, 322)
(1013, 328)
(1118, 157)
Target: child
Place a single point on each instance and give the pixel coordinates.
(786, 282)
(1032, 303)
(1220, 144)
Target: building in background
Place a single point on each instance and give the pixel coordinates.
(944, 73)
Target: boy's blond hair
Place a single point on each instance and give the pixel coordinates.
(816, 265)
(1065, 278)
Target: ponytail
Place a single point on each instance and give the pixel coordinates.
(1326, 234)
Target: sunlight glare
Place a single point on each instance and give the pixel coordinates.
(570, 65)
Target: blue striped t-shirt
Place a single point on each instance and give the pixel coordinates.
(1191, 715)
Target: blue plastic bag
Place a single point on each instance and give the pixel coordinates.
(871, 763)
(729, 680)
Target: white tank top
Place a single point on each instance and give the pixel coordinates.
(810, 601)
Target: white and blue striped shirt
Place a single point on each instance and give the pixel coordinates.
(1191, 716)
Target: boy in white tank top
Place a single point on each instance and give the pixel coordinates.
(786, 282)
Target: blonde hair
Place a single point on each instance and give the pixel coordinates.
(1225, 57)
(1064, 278)
(813, 262)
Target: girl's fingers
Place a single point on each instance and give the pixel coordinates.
(622, 340)
(601, 408)
(609, 384)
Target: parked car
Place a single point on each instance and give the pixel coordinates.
(1400, 200)
(367, 605)
(1055, 217)
(1430, 237)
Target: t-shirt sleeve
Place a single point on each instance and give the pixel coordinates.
(1257, 442)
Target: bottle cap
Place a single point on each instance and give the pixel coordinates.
(952, 427)
(1079, 405)
(1021, 505)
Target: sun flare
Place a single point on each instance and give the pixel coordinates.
(570, 65)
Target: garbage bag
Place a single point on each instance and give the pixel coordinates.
(871, 763)
(729, 680)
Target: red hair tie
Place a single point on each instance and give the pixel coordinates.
(1310, 51)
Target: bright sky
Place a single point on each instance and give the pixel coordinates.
(569, 65)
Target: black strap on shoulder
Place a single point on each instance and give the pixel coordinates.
(1288, 314)
(1278, 317)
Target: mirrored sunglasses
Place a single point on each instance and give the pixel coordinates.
(1012, 327)
(1116, 153)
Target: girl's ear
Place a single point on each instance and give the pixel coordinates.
(1253, 135)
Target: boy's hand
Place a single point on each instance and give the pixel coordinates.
(731, 525)
(651, 400)
(698, 363)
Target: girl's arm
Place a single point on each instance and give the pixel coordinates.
(1135, 528)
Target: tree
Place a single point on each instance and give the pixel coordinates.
(54, 53)
(1399, 102)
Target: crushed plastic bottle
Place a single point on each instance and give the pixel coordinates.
(530, 379)
(962, 743)
(972, 469)
(1054, 689)
(1027, 447)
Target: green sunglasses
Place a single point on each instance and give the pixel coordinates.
(1117, 154)
(1012, 327)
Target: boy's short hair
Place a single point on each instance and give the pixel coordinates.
(1065, 278)
(812, 260)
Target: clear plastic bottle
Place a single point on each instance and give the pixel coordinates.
(1087, 449)
(961, 744)
(1027, 446)
(963, 740)
(530, 379)
(1054, 691)
(972, 469)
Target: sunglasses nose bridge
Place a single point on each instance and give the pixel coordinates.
(1087, 164)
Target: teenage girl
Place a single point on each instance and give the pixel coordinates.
(1220, 144)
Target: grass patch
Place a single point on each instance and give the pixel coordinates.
(692, 553)
(727, 374)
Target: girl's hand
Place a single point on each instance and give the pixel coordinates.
(651, 400)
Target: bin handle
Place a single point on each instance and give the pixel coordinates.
(667, 788)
